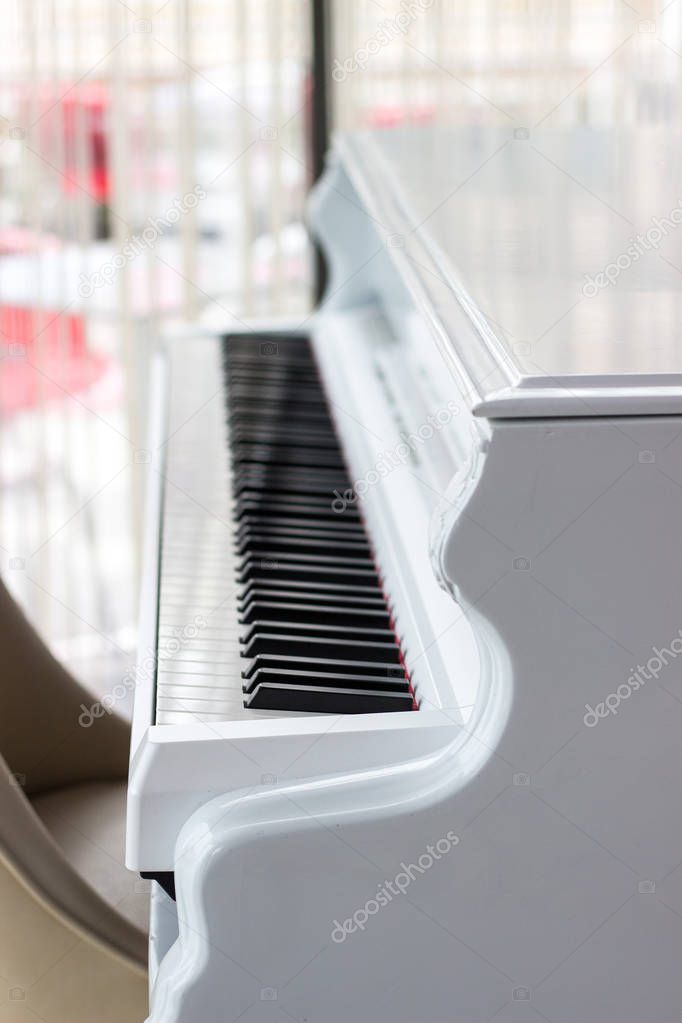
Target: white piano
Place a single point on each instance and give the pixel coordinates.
(408, 718)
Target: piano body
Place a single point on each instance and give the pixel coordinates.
(435, 533)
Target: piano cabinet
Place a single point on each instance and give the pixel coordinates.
(520, 860)
(561, 822)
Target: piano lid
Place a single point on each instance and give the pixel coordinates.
(549, 263)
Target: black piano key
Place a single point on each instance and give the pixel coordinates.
(293, 525)
(325, 664)
(275, 628)
(274, 414)
(283, 437)
(263, 506)
(270, 352)
(334, 476)
(318, 634)
(308, 397)
(289, 367)
(320, 678)
(294, 503)
(277, 483)
(334, 615)
(287, 525)
(305, 545)
(297, 373)
(319, 700)
(275, 553)
(317, 587)
(261, 454)
(265, 344)
(242, 421)
(284, 368)
(319, 595)
(296, 380)
(263, 413)
(291, 644)
(292, 572)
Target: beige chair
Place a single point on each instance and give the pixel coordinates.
(73, 920)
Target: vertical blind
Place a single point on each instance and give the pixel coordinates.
(154, 168)
(522, 63)
(154, 162)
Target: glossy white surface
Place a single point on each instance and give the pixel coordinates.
(559, 895)
(192, 735)
(514, 232)
(198, 668)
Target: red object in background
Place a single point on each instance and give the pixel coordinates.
(390, 116)
(43, 353)
(57, 332)
(85, 110)
(72, 120)
(16, 240)
(44, 358)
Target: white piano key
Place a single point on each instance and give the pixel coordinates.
(201, 680)
(220, 660)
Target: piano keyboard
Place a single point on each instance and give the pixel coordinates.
(297, 620)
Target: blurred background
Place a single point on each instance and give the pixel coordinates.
(155, 159)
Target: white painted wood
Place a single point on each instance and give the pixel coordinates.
(188, 698)
(313, 890)
(558, 896)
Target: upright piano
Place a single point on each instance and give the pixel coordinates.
(408, 709)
